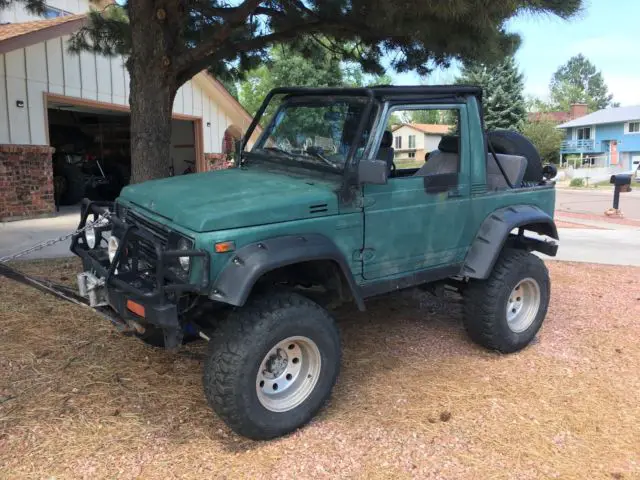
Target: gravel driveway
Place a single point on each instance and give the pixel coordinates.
(415, 398)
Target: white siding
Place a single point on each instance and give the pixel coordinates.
(17, 91)
(72, 76)
(36, 60)
(117, 81)
(55, 66)
(206, 125)
(103, 69)
(26, 74)
(4, 112)
(88, 76)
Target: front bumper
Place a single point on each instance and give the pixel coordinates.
(149, 279)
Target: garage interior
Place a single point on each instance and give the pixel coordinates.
(92, 157)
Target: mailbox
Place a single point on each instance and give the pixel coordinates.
(621, 179)
(621, 183)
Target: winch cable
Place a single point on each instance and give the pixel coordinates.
(62, 292)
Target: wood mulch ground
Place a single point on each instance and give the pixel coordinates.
(415, 399)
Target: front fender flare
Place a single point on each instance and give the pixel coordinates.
(234, 284)
(494, 232)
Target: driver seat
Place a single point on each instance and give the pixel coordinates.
(386, 151)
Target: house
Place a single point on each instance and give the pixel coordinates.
(606, 138)
(413, 140)
(576, 110)
(52, 100)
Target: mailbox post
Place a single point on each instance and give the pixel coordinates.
(621, 183)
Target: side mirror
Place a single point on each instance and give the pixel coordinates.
(373, 171)
(549, 171)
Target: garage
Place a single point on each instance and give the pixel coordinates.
(67, 132)
(92, 149)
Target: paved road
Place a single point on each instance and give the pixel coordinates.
(597, 201)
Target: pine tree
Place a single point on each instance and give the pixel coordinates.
(503, 99)
(167, 42)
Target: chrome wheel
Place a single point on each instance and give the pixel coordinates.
(288, 374)
(523, 305)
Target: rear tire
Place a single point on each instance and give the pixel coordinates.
(513, 143)
(505, 311)
(272, 364)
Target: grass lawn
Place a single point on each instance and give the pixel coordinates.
(415, 399)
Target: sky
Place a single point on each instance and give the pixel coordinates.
(607, 32)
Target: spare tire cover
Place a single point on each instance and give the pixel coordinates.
(514, 143)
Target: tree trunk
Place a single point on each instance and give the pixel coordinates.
(153, 89)
(151, 106)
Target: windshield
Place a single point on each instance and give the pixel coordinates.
(314, 131)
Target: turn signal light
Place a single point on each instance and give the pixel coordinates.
(224, 247)
(135, 308)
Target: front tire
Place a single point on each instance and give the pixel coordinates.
(272, 364)
(505, 311)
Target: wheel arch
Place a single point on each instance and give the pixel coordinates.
(495, 233)
(252, 262)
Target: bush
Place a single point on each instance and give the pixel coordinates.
(577, 182)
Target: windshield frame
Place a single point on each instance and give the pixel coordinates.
(311, 96)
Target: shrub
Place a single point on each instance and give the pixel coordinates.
(577, 182)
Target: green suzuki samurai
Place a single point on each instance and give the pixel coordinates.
(330, 204)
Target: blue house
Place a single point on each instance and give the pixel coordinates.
(606, 138)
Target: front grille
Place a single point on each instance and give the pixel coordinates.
(159, 232)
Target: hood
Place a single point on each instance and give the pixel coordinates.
(233, 198)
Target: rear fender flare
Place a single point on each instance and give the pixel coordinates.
(495, 230)
(234, 284)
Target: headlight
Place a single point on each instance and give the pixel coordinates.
(90, 237)
(112, 248)
(185, 262)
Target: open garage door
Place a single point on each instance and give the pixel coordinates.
(93, 145)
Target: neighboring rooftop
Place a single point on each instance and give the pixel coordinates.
(429, 128)
(607, 115)
(24, 34)
(556, 117)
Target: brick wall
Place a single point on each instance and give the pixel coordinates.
(26, 181)
(217, 161)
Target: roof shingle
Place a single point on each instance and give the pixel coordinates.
(12, 30)
(607, 115)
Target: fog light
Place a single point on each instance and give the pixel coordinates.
(90, 237)
(185, 262)
(112, 248)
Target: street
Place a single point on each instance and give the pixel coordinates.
(597, 201)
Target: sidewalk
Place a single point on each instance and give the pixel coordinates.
(17, 236)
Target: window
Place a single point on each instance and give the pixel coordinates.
(633, 127)
(52, 12)
(584, 133)
(437, 130)
(311, 130)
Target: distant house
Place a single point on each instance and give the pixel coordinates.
(576, 110)
(413, 140)
(608, 138)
